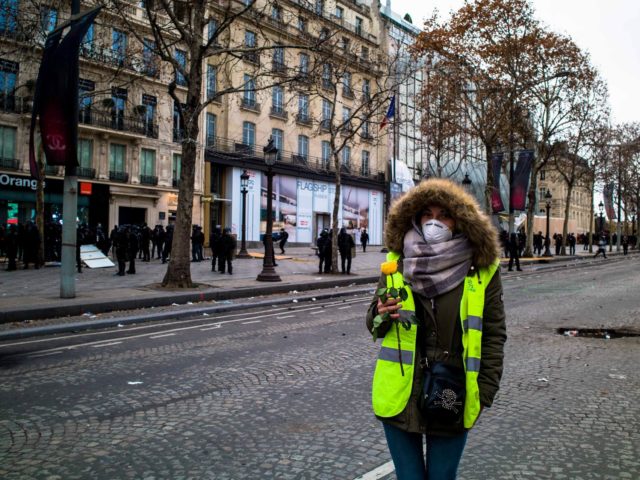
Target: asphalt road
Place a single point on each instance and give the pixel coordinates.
(284, 392)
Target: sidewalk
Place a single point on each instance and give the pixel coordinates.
(35, 294)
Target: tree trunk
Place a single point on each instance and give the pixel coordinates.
(531, 207)
(489, 187)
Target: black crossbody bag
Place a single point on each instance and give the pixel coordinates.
(443, 390)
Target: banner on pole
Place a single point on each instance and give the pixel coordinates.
(56, 95)
(496, 166)
(520, 181)
(607, 193)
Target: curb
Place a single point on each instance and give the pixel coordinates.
(47, 312)
(172, 315)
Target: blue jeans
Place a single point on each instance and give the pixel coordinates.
(442, 459)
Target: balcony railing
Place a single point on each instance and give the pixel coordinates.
(328, 85)
(251, 57)
(347, 92)
(278, 67)
(236, 150)
(303, 119)
(116, 59)
(14, 104)
(325, 124)
(118, 176)
(52, 170)
(86, 172)
(10, 163)
(148, 180)
(249, 104)
(116, 122)
(279, 112)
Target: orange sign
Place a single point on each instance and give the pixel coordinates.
(85, 188)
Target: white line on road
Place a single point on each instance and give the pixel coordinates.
(163, 335)
(286, 316)
(343, 308)
(46, 354)
(106, 344)
(217, 325)
(252, 321)
(379, 472)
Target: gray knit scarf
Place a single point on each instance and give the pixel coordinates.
(434, 269)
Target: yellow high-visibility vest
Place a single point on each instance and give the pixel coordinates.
(393, 377)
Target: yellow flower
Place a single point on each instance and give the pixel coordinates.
(389, 268)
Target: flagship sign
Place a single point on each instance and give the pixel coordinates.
(20, 182)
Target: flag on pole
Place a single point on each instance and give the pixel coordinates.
(496, 166)
(55, 99)
(520, 181)
(391, 111)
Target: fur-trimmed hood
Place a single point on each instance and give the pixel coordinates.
(470, 220)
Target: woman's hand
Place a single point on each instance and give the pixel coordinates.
(391, 306)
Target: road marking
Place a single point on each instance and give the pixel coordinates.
(71, 347)
(343, 308)
(166, 324)
(252, 321)
(163, 335)
(286, 316)
(217, 325)
(106, 344)
(379, 472)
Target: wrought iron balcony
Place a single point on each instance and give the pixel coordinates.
(279, 112)
(303, 119)
(121, 123)
(10, 163)
(118, 176)
(86, 172)
(52, 170)
(251, 57)
(325, 124)
(148, 180)
(250, 104)
(14, 104)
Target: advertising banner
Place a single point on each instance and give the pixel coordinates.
(520, 181)
(608, 201)
(496, 166)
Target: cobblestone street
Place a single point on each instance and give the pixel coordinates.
(284, 393)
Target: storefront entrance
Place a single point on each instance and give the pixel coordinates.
(132, 216)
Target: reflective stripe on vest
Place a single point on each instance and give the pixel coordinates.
(391, 390)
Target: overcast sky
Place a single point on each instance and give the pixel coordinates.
(608, 29)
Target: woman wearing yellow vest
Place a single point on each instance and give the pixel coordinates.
(443, 334)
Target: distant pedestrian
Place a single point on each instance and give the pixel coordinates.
(571, 240)
(345, 244)
(625, 244)
(228, 246)
(321, 243)
(80, 240)
(113, 237)
(31, 245)
(602, 244)
(364, 239)
(558, 240)
(121, 248)
(514, 252)
(214, 245)
(168, 241)
(145, 240)
(11, 247)
(284, 236)
(537, 243)
(133, 246)
(328, 252)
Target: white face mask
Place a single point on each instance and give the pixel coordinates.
(435, 231)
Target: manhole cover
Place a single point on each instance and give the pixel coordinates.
(604, 333)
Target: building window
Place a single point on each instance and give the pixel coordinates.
(249, 39)
(119, 99)
(326, 109)
(147, 162)
(326, 154)
(358, 26)
(346, 157)
(249, 134)
(149, 118)
(278, 59)
(339, 13)
(48, 18)
(176, 168)
(178, 124)
(85, 152)
(249, 98)
(542, 174)
(365, 163)
(149, 60)
(181, 60)
(276, 13)
(346, 84)
(8, 16)
(304, 63)
(7, 143)
(85, 99)
(326, 75)
(211, 129)
(117, 158)
(366, 89)
(346, 115)
(212, 80)
(87, 42)
(345, 44)
(212, 28)
(302, 24)
(278, 99)
(366, 130)
(278, 140)
(364, 54)
(303, 106)
(119, 45)
(319, 7)
(303, 146)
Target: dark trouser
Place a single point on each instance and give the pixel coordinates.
(572, 250)
(165, 254)
(122, 264)
(601, 250)
(347, 258)
(442, 457)
(558, 247)
(364, 246)
(225, 261)
(511, 259)
(154, 247)
(78, 261)
(625, 248)
(282, 244)
(132, 264)
(327, 263)
(160, 249)
(145, 253)
(537, 249)
(12, 263)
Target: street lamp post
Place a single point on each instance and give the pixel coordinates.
(547, 240)
(268, 273)
(244, 189)
(466, 183)
(601, 209)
